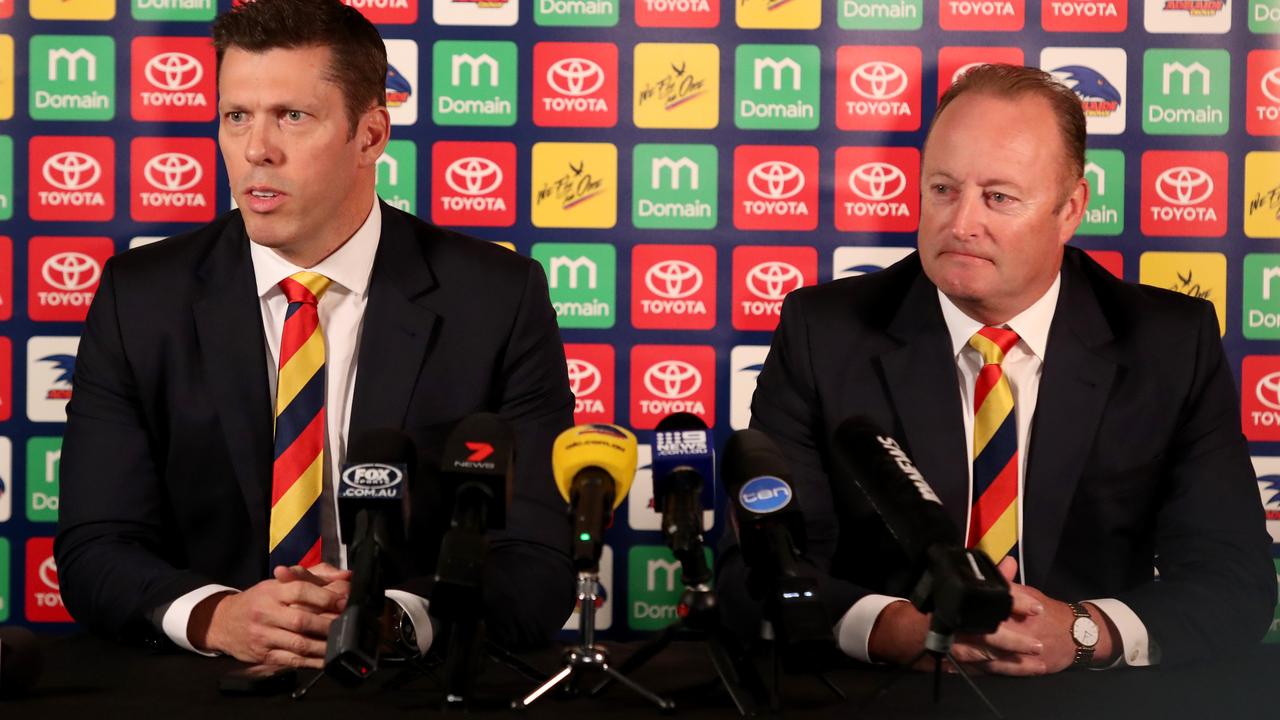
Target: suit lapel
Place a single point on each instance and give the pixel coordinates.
(921, 382)
(396, 331)
(1074, 386)
(228, 320)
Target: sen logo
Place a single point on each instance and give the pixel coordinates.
(878, 88)
(63, 275)
(173, 79)
(575, 84)
(1184, 193)
(775, 187)
(673, 287)
(591, 380)
(473, 183)
(71, 178)
(763, 276)
(877, 189)
(172, 179)
(668, 379)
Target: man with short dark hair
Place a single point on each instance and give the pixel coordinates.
(222, 373)
(1082, 431)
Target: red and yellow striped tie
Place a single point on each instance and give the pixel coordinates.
(297, 474)
(993, 524)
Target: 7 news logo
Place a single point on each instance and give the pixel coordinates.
(878, 88)
(473, 183)
(667, 379)
(775, 187)
(71, 178)
(763, 276)
(172, 179)
(575, 84)
(63, 275)
(173, 79)
(591, 380)
(673, 287)
(877, 189)
(1184, 194)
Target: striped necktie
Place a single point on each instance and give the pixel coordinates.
(297, 473)
(993, 524)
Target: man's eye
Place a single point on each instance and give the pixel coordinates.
(998, 198)
(293, 115)
(235, 116)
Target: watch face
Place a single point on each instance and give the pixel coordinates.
(1085, 631)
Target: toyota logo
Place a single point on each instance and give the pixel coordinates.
(71, 170)
(71, 271)
(48, 573)
(775, 180)
(584, 377)
(673, 279)
(575, 76)
(1268, 390)
(672, 379)
(877, 181)
(960, 71)
(878, 80)
(1184, 185)
(772, 280)
(173, 71)
(1271, 85)
(172, 171)
(473, 176)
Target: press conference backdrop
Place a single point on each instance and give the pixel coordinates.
(677, 166)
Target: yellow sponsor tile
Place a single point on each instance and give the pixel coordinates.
(575, 185)
(779, 14)
(1262, 194)
(676, 86)
(1198, 274)
(508, 245)
(6, 77)
(73, 9)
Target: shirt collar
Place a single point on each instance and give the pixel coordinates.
(349, 266)
(1032, 324)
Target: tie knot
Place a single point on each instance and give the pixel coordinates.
(993, 343)
(304, 287)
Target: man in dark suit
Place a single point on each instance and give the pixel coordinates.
(1123, 510)
(176, 481)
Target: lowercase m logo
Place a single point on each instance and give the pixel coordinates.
(473, 83)
(1186, 92)
(582, 282)
(72, 77)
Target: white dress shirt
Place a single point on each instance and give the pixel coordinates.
(341, 311)
(1021, 366)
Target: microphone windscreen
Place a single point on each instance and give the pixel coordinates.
(610, 448)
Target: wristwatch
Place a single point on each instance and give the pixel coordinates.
(1084, 633)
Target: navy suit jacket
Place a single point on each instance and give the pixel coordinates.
(1136, 458)
(166, 469)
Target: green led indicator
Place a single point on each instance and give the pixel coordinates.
(585, 537)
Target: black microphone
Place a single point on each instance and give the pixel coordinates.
(21, 661)
(771, 534)
(962, 588)
(373, 503)
(476, 474)
(683, 473)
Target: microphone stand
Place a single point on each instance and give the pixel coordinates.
(588, 656)
(700, 618)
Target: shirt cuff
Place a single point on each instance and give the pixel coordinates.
(415, 608)
(1138, 650)
(854, 629)
(178, 616)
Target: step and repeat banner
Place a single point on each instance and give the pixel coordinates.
(677, 166)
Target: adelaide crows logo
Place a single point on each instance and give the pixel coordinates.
(398, 88)
(66, 365)
(1097, 95)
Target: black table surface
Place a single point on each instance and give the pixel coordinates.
(92, 678)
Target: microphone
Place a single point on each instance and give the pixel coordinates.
(21, 661)
(373, 504)
(961, 587)
(476, 473)
(593, 467)
(771, 534)
(683, 475)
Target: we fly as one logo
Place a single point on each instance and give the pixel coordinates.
(575, 84)
(676, 85)
(575, 185)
